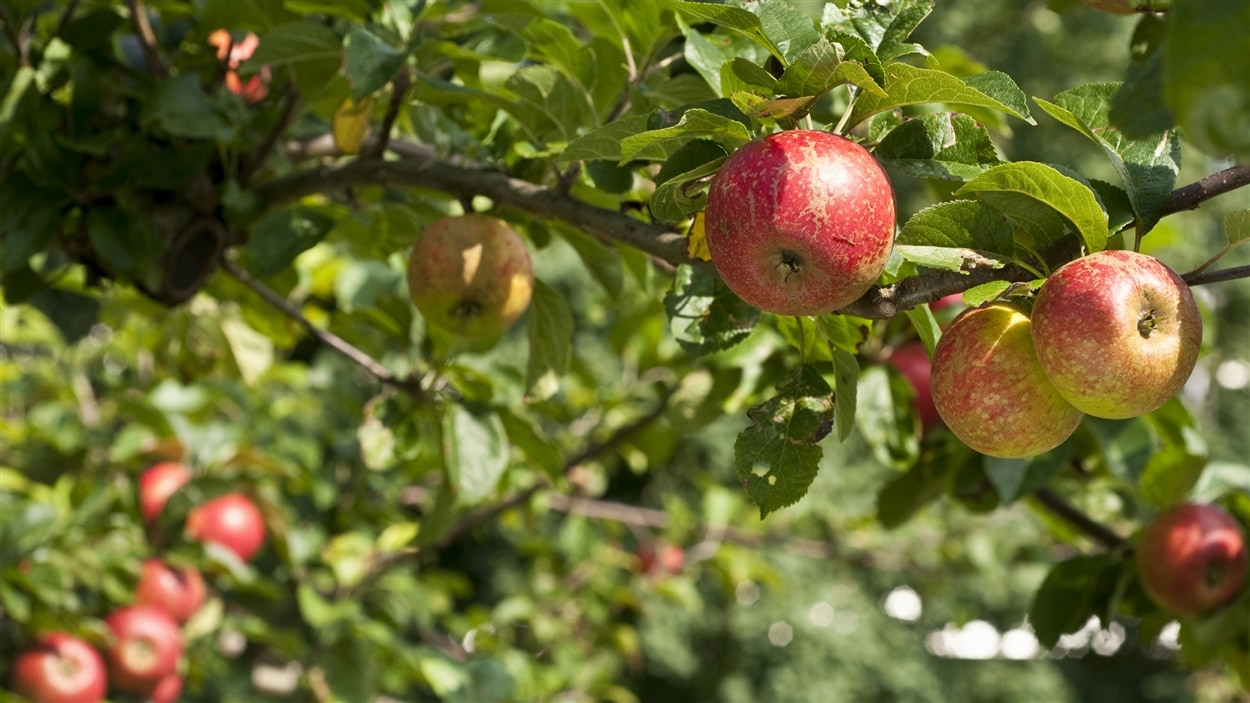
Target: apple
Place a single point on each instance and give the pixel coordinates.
(232, 521)
(167, 689)
(912, 361)
(990, 390)
(667, 560)
(470, 275)
(147, 645)
(800, 222)
(1191, 559)
(1117, 333)
(59, 668)
(157, 483)
(180, 592)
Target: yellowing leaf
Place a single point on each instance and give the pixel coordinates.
(696, 246)
(351, 124)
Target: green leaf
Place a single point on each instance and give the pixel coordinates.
(550, 328)
(1147, 167)
(964, 224)
(603, 262)
(846, 387)
(541, 452)
(885, 417)
(1206, 75)
(729, 17)
(282, 235)
(704, 315)
(29, 216)
(605, 142)
(253, 352)
(368, 62)
(1174, 469)
(73, 314)
(1032, 192)
(297, 42)
(947, 258)
(558, 46)
(1013, 478)
(475, 451)
(943, 145)
(884, 26)
(1070, 595)
(926, 480)
(354, 10)
(909, 85)
(179, 106)
(1127, 446)
(926, 326)
(350, 669)
(680, 195)
(777, 456)
(1237, 226)
(1138, 108)
(820, 68)
(129, 244)
(694, 123)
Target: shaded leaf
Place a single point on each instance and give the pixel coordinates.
(1206, 75)
(369, 63)
(909, 85)
(1070, 595)
(704, 315)
(1019, 189)
(550, 329)
(966, 224)
(475, 447)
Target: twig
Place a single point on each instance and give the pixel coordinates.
(13, 34)
(1069, 513)
(326, 337)
(290, 101)
(1217, 276)
(147, 38)
(399, 87)
(1191, 196)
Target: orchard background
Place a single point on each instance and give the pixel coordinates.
(205, 240)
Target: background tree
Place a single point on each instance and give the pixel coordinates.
(206, 213)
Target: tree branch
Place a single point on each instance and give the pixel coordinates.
(1217, 276)
(147, 38)
(1070, 514)
(1191, 196)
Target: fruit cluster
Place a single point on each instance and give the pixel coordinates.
(146, 645)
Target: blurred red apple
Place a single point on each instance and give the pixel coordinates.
(180, 592)
(59, 668)
(157, 484)
(232, 521)
(912, 362)
(147, 645)
(1192, 559)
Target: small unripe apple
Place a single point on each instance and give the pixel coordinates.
(178, 591)
(1191, 559)
(147, 645)
(470, 275)
(912, 361)
(59, 668)
(800, 222)
(1117, 332)
(990, 390)
(157, 483)
(232, 521)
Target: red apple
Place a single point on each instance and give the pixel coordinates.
(1191, 559)
(912, 361)
(234, 53)
(667, 560)
(59, 668)
(231, 520)
(167, 689)
(800, 222)
(180, 592)
(157, 484)
(471, 275)
(1117, 333)
(990, 390)
(147, 645)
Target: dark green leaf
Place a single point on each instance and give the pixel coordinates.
(925, 481)
(964, 224)
(368, 62)
(684, 194)
(180, 107)
(846, 377)
(73, 314)
(940, 145)
(694, 123)
(1127, 446)
(704, 316)
(1070, 594)
(1138, 107)
(1034, 192)
(1206, 75)
(729, 17)
(909, 85)
(550, 327)
(777, 456)
(349, 666)
(884, 26)
(885, 417)
(820, 68)
(355, 10)
(28, 221)
(541, 452)
(602, 261)
(475, 450)
(282, 235)
(1013, 478)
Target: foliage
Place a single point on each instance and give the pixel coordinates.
(203, 261)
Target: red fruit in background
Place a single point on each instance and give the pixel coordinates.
(59, 668)
(167, 689)
(157, 483)
(231, 520)
(911, 360)
(147, 644)
(180, 592)
(800, 222)
(1191, 559)
(667, 560)
(255, 88)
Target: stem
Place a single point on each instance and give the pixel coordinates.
(1069, 513)
(1200, 278)
(1218, 255)
(147, 38)
(399, 88)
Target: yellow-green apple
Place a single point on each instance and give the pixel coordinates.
(912, 361)
(232, 521)
(1117, 333)
(990, 390)
(147, 645)
(157, 483)
(800, 222)
(470, 275)
(59, 668)
(1191, 559)
(179, 591)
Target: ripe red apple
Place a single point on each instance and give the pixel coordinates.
(1191, 559)
(912, 361)
(231, 520)
(157, 483)
(800, 222)
(990, 390)
(1117, 333)
(180, 592)
(59, 668)
(167, 689)
(147, 645)
(470, 275)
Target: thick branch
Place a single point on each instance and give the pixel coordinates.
(1070, 514)
(1191, 196)
(1218, 275)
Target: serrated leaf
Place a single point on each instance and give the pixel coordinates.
(909, 85)
(846, 387)
(1206, 75)
(884, 26)
(475, 451)
(966, 224)
(1147, 167)
(777, 457)
(684, 194)
(548, 103)
(368, 62)
(820, 68)
(704, 315)
(941, 145)
(1069, 596)
(694, 123)
(550, 329)
(605, 142)
(1237, 226)
(729, 17)
(1019, 189)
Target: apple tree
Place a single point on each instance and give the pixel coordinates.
(361, 350)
